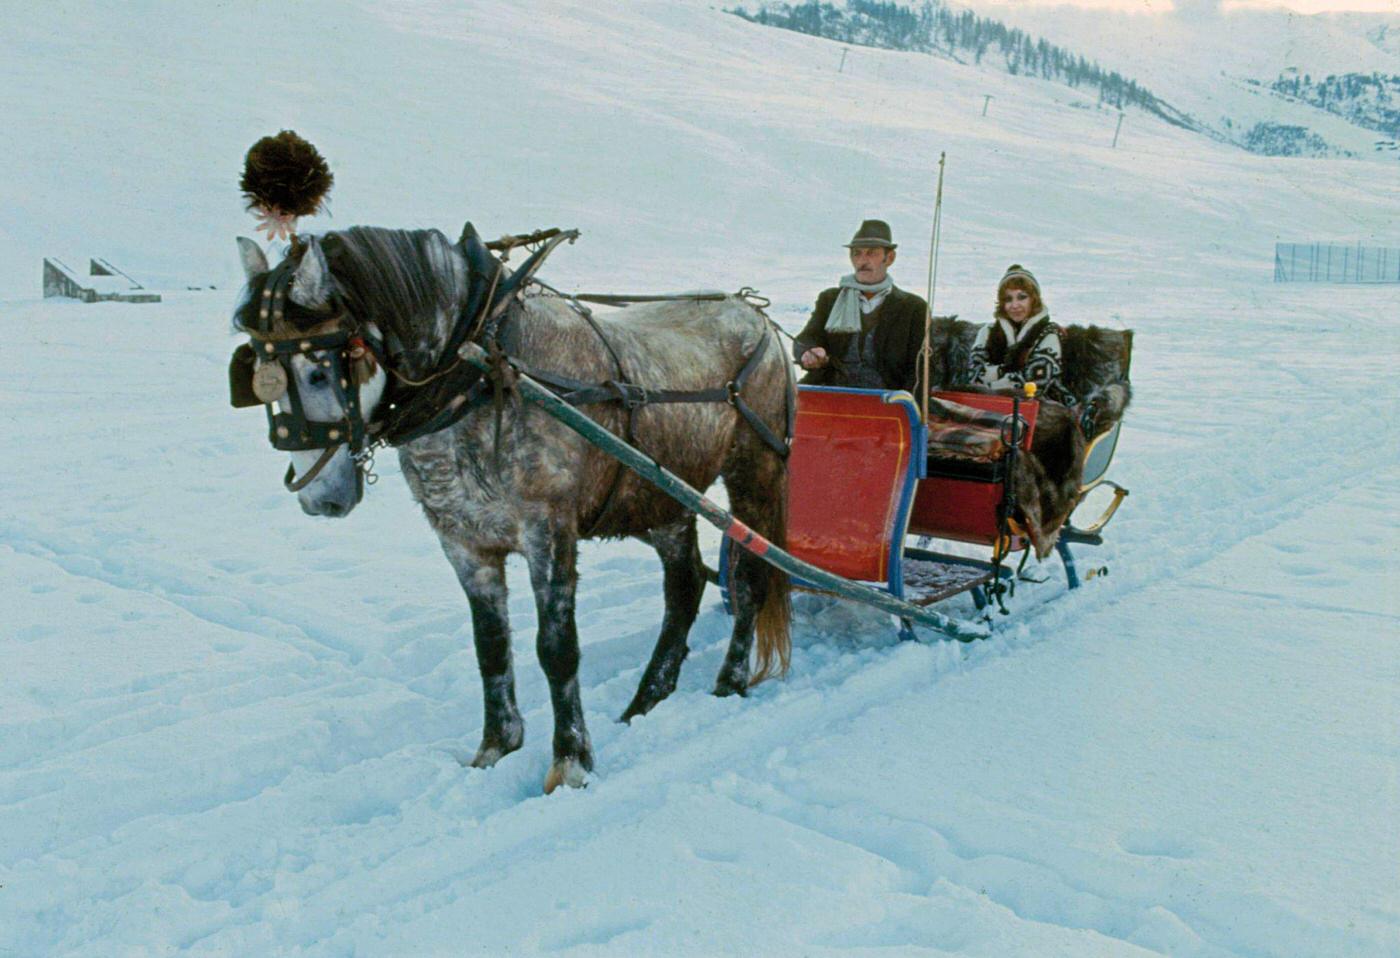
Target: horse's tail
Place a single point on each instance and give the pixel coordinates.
(773, 623)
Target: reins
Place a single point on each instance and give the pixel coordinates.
(294, 484)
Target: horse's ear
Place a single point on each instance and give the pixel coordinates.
(311, 283)
(254, 262)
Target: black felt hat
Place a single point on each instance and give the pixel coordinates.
(872, 233)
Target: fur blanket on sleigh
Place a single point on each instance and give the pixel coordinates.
(1095, 371)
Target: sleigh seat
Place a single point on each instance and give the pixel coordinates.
(858, 457)
(865, 472)
(1095, 368)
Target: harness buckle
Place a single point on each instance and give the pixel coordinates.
(731, 390)
(630, 395)
(1013, 430)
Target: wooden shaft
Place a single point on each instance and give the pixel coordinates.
(698, 503)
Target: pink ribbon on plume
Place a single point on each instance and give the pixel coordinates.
(276, 224)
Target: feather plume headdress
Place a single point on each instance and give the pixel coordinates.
(284, 177)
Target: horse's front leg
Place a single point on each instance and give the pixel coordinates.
(483, 577)
(552, 552)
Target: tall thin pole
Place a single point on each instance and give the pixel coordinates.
(1116, 129)
(932, 282)
(842, 67)
(986, 101)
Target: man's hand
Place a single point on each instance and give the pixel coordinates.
(814, 358)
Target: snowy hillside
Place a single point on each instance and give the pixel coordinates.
(1384, 32)
(1202, 57)
(1194, 79)
(227, 729)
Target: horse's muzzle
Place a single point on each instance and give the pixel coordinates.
(331, 510)
(330, 507)
(336, 492)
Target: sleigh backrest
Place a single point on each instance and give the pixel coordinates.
(1093, 357)
(1096, 363)
(856, 454)
(950, 365)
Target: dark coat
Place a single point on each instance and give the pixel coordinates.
(898, 332)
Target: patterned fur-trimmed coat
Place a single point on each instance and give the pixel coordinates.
(1005, 357)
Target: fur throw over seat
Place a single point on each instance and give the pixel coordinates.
(1095, 364)
(1094, 371)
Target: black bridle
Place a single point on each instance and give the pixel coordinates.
(261, 373)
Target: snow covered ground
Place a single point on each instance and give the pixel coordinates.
(227, 729)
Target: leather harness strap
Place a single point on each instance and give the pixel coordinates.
(632, 396)
(628, 408)
(454, 389)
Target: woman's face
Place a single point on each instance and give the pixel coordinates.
(1016, 303)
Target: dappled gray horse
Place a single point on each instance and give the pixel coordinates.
(353, 341)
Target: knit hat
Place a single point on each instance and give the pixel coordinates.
(1017, 271)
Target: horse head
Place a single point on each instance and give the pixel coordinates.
(316, 368)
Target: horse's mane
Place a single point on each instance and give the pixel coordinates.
(407, 282)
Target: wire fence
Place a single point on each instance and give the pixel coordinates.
(1335, 263)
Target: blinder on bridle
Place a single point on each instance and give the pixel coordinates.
(260, 373)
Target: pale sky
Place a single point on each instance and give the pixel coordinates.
(1164, 6)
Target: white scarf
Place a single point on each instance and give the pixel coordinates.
(1014, 333)
(846, 312)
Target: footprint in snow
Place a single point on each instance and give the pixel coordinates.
(1155, 843)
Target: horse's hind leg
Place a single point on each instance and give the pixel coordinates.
(552, 552)
(483, 578)
(756, 479)
(750, 588)
(684, 584)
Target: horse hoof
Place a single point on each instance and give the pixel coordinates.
(725, 687)
(638, 707)
(486, 757)
(494, 748)
(566, 771)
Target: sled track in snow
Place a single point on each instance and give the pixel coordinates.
(346, 725)
(831, 687)
(826, 693)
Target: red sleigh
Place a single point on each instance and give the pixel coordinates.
(861, 482)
